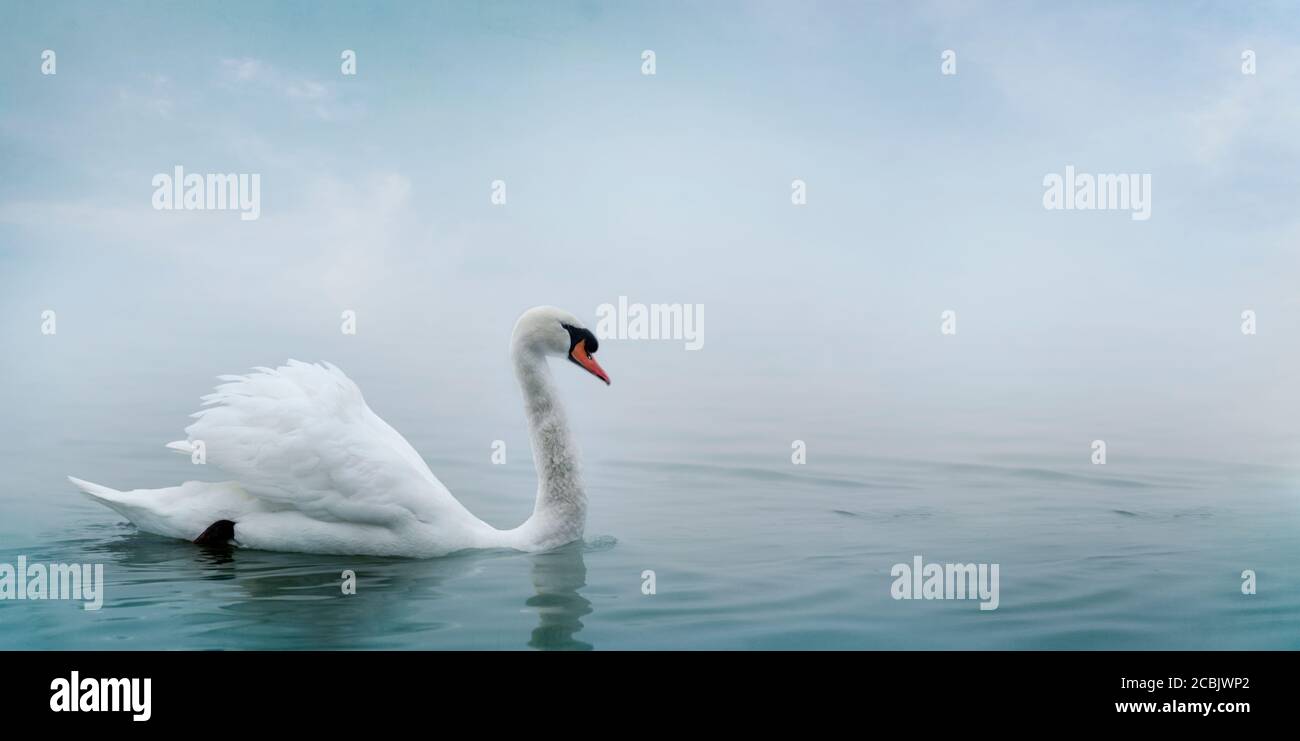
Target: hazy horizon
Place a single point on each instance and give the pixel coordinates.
(924, 195)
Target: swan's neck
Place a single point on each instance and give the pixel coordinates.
(560, 512)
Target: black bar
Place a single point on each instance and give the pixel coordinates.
(976, 689)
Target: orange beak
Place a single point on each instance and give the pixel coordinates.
(579, 355)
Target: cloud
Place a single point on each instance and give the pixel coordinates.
(75, 218)
(335, 220)
(1251, 111)
(156, 98)
(256, 77)
(244, 69)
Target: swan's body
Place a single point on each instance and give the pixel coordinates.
(316, 471)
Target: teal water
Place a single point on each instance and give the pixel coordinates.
(748, 553)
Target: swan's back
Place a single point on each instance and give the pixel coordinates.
(301, 437)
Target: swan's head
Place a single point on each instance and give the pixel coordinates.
(551, 331)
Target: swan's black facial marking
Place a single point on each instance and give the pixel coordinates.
(578, 334)
(582, 345)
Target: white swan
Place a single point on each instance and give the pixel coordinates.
(318, 472)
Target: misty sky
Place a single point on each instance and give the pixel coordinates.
(924, 194)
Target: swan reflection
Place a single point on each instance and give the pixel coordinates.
(557, 577)
(232, 598)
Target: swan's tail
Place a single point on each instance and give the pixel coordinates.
(125, 503)
(95, 491)
(184, 511)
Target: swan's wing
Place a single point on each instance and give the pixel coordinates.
(302, 437)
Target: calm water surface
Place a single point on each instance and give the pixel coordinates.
(749, 552)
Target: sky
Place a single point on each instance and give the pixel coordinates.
(924, 194)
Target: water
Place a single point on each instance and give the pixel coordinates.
(749, 552)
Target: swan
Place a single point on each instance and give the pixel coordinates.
(316, 471)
